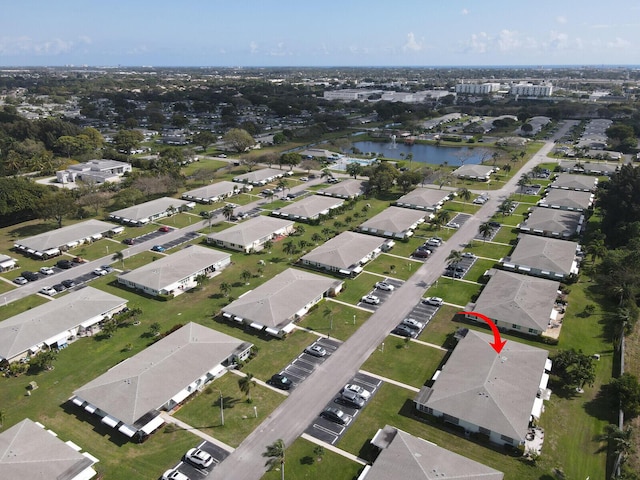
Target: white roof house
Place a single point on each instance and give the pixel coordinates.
(260, 177)
(212, 193)
(394, 222)
(176, 273)
(130, 396)
(7, 263)
(562, 199)
(543, 257)
(487, 393)
(551, 222)
(309, 208)
(28, 451)
(149, 211)
(345, 189)
(346, 253)
(275, 305)
(53, 242)
(404, 456)
(94, 171)
(481, 173)
(570, 181)
(53, 323)
(252, 234)
(427, 199)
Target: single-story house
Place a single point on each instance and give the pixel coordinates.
(543, 257)
(495, 396)
(277, 304)
(319, 153)
(427, 199)
(550, 222)
(518, 302)
(150, 211)
(55, 323)
(589, 168)
(309, 208)
(252, 234)
(573, 200)
(570, 181)
(54, 242)
(394, 222)
(404, 456)
(29, 451)
(346, 253)
(260, 177)
(94, 171)
(176, 273)
(215, 192)
(7, 263)
(481, 173)
(130, 395)
(346, 189)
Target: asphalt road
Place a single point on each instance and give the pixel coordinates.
(301, 407)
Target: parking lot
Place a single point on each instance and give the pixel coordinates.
(194, 472)
(304, 365)
(187, 237)
(382, 295)
(460, 218)
(330, 432)
(459, 269)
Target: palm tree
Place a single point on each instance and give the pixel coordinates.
(275, 456)
(596, 248)
(118, 256)
(328, 313)
(523, 182)
(282, 183)
(300, 230)
(289, 248)
(443, 216)
(620, 440)
(454, 257)
(464, 194)
(246, 276)
(225, 288)
(268, 245)
(270, 195)
(505, 207)
(316, 238)
(245, 384)
(485, 230)
(227, 211)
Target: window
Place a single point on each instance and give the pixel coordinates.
(506, 439)
(450, 419)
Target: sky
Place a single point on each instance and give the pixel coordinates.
(266, 33)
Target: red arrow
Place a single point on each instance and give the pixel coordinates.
(498, 343)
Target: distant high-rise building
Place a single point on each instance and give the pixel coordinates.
(531, 90)
(477, 88)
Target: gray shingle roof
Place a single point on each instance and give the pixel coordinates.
(575, 181)
(309, 207)
(567, 198)
(562, 222)
(424, 197)
(148, 209)
(214, 190)
(473, 170)
(65, 235)
(548, 254)
(254, 229)
(345, 188)
(344, 250)
(394, 219)
(259, 175)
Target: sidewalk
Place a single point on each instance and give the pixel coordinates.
(337, 450)
(169, 419)
(388, 380)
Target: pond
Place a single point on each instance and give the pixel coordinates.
(453, 156)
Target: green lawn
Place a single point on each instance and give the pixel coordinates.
(488, 249)
(506, 235)
(335, 319)
(459, 206)
(398, 361)
(476, 272)
(302, 462)
(19, 306)
(393, 266)
(6, 287)
(180, 220)
(453, 291)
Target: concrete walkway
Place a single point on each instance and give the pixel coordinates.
(185, 426)
(260, 382)
(337, 450)
(391, 381)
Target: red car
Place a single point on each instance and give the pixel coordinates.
(164, 229)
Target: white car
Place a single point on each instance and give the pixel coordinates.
(412, 323)
(100, 272)
(352, 387)
(453, 225)
(48, 291)
(468, 255)
(435, 301)
(315, 350)
(385, 286)
(199, 458)
(47, 271)
(174, 475)
(370, 299)
(303, 179)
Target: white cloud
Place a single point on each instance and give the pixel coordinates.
(84, 39)
(464, 11)
(23, 44)
(618, 43)
(561, 19)
(508, 40)
(253, 47)
(280, 50)
(557, 41)
(412, 44)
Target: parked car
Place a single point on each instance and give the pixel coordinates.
(335, 415)
(68, 283)
(468, 255)
(47, 271)
(315, 350)
(421, 253)
(352, 399)
(199, 457)
(158, 248)
(366, 394)
(58, 287)
(128, 241)
(48, 291)
(107, 268)
(174, 475)
(412, 323)
(403, 331)
(434, 242)
(20, 281)
(494, 224)
(164, 229)
(385, 286)
(99, 271)
(64, 264)
(304, 179)
(30, 276)
(435, 301)
(370, 299)
(453, 274)
(280, 381)
(452, 225)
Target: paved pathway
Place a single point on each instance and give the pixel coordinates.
(185, 426)
(328, 446)
(391, 381)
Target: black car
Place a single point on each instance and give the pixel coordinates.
(65, 264)
(280, 381)
(68, 283)
(30, 276)
(128, 241)
(403, 331)
(58, 287)
(494, 224)
(335, 415)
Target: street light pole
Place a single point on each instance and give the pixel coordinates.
(354, 319)
(221, 407)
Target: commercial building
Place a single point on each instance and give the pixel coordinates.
(477, 88)
(94, 171)
(531, 90)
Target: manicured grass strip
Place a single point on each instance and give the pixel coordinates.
(399, 361)
(488, 249)
(335, 319)
(393, 266)
(6, 287)
(453, 291)
(476, 272)
(20, 306)
(506, 235)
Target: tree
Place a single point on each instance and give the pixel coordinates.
(316, 238)
(300, 230)
(268, 245)
(44, 359)
(319, 452)
(619, 440)
(292, 159)
(238, 139)
(227, 211)
(154, 329)
(128, 140)
(225, 288)
(354, 169)
(485, 230)
(203, 139)
(245, 275)
(464, 194)
(442, 217)
(56, 205)
(454, 257)
(109, 327)
(523, 182)
(118, 256)
(574, 368)
(245, 384)
(505, 207)
(626, 394)
(275, 456)
(408, 179)
(283, 184)
(289, 248)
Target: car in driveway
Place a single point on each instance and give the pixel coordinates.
(280, 381)
(99, 271)
(434, 242)
(385, 286)
(64, 264)
(199, 458)
(370, 299)
(352, 387)
(47, 271)
(303, 179)
(107, 268)
(158, 248)
(68, 283)
(434, 301)
(404, 331)
(48, 291)
(174, 475)
(335, 415)
(164, 229)
(20, 281)
(412, 323)
(30, 276)
(315, 350)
